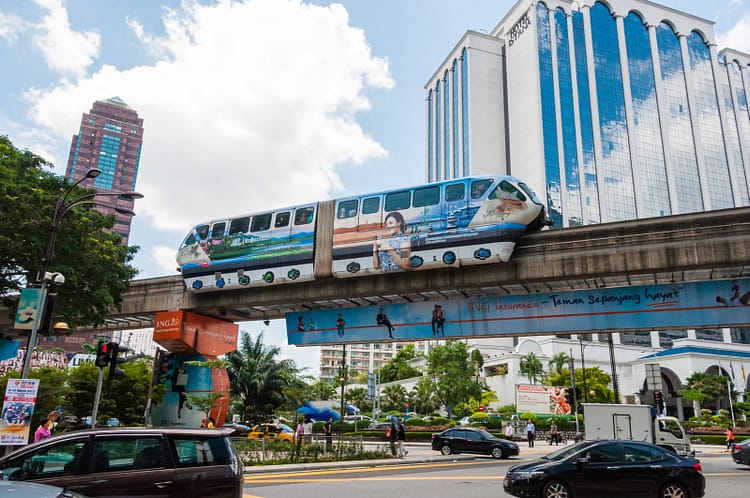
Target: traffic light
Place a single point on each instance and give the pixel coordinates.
(164, 363)
(103, 350)
(114, 359)
(569, 397)
(659, 400)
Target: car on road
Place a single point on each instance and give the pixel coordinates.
(19, 489)
(132, 462)
(377, 425)
(741, 452)
(471, 440)
(272, 433)
(238, 430)
(357, 418)
(611, 468)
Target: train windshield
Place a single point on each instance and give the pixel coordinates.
(530, 193)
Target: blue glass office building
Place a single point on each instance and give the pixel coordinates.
(614, 110)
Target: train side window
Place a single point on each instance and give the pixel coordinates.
(239, 225)
(427, 196)
(479, 187)
(261, 222)
(347, 209)
(455, 192)
(398, 201)
(217, 230)
(202, 231)
(370, 205)
(303, 216)
(507, 191)
(282, 219)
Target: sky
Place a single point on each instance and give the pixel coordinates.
(248, 105)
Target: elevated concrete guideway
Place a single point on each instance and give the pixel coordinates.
(684, 248)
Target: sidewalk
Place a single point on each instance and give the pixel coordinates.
(423, 453)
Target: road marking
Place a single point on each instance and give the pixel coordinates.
(373, 479)
(357, 470)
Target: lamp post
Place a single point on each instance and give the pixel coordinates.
(61, 209)
(583, 369)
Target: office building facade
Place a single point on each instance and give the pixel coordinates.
(614, 111)
(611, 111)
(109, 139)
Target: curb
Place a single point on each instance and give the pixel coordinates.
(348, 464)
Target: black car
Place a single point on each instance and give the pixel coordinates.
(741, 452)
(238, 430)
(611, 468)
(470, 440)
(132, 462)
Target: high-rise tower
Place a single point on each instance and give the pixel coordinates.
(110, 139)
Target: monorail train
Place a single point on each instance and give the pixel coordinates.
(465, 221)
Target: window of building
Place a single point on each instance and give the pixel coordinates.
(740, 335)
(667, 337)
(709, 335)
(636, 338)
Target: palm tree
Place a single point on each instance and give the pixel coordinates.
(422, 396)
(531, 367)
(257, 377)
(558, 362)
(394, 397)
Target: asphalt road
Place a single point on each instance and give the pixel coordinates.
(426, 474)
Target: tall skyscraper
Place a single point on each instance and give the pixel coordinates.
(615, 111)
(110, 139)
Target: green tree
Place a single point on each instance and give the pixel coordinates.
(398, 368)
(477, 359)
(531, 367)
(322, 389)
(422, 396)
(393, 398)
(258, 378)
(558, 362)
(451, 370)
(704, 388)
(93, 260)
(357, 396)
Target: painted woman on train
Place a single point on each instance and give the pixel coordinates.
(392, 250)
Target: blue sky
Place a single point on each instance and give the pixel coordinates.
(248, 105)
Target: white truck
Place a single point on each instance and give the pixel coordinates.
(635, 422)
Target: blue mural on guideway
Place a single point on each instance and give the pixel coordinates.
(685, 305)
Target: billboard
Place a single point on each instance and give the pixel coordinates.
(548, 400)
(648, 307)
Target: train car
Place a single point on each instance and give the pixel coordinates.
(249, 250)
(465, 221)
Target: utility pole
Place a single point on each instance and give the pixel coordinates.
(573, 386)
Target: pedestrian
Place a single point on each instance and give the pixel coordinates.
(300, 433)
(308, 427)
(509, 431)
(328, 428)
(211, 423)
(45, 428)
(730, 438)
(391, 434)
(401, 439)
(530, 432)
(553, 434)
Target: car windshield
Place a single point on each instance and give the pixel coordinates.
(564, 453)
(285, 428)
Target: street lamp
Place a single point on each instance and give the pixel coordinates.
(61, 209)
(583, 368)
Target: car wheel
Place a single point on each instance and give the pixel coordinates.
(446, 449)
(498, 452)
(556, 489)
(674, 490)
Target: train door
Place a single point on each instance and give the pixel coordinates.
(215, 242)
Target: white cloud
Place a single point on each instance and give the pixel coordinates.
(163, 258)
(10, 27)
(66, 51)
(252, 105)
(738, 36)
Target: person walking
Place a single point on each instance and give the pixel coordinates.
(401, 439)
(328, 429)
(45, 428)
(300, 433)
(391, 434)
(530, 432)
(554, 434)
(730, 438)
(509, 431)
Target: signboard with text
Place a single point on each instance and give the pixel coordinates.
(681, 305)
(18, 407)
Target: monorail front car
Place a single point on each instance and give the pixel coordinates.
(466, 221)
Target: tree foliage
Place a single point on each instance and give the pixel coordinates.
(452, 371)
(703, 388)
(398, 368)
(531, 367)
(394, 398)
(422, 396)
(258, 377)
(93, 260)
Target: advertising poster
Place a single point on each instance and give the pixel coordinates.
(18, 407)
(715, 303)
(27, 308)
(546, 400)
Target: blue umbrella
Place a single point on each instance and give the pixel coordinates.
(313, 410)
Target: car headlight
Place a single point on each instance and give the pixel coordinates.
(526, 474)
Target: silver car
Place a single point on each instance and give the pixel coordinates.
(18, 489)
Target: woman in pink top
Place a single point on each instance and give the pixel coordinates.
(45, 430)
